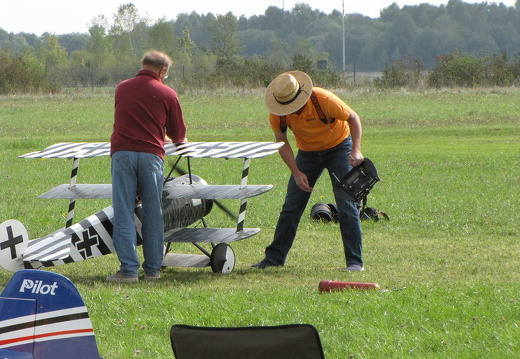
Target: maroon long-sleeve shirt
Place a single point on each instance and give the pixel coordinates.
(146, 110)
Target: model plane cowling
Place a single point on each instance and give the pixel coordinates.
(180, 213)
(42, 316)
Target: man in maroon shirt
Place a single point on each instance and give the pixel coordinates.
(146, 111)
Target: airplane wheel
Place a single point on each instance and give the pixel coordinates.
(222, 259)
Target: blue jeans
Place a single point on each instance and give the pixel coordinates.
(335, 160)
(138, 173)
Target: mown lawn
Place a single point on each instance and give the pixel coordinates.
(447, 261)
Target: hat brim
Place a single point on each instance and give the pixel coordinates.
(284, 109)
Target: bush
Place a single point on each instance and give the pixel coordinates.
(457, 70)
(22, 74)
(407, 72)
(514, 68)
(498, 71)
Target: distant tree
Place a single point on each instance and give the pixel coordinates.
(400, 34)
(225, 41)
(256, 42)
(22, 73)
(161, 36)
(302, 63)
(302, 46)
(183, 56)
(275, 19)
(125, 20)
(54, 58)
(207, 47)
(452, 38)
(301, 17)
(16, 43)
(327, 37)
(481, 44)
(198, 27)
(51, 52)
(73, 42)
(92, 66)
(459, 11)
(390, 13)
(141, 40)
(278, 52)
(425, 14)
(99, 45)
(226, 45)
(424, 46)
(4, 37)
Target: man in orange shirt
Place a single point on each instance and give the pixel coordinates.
(328, 136)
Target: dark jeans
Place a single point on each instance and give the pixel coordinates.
(335, 160)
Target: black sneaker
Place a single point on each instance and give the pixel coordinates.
(265, 263)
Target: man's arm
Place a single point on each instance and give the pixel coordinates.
(287, 155)
(175, 125)
(354, 122)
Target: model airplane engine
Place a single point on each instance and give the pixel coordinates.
(180, 213)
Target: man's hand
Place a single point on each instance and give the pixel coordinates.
(302, 182)
(356, 157)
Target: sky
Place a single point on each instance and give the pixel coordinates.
(68, 16)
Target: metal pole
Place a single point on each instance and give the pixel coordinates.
(343, 17)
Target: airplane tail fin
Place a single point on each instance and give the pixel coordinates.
(13, 242)
(42, 316)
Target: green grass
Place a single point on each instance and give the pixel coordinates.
(447, 261)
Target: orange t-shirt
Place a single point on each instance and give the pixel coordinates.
(310, 133)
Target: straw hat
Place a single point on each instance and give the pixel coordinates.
(288, 92)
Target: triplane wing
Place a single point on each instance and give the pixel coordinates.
(186, 200)
(104, 191)
(186, 149)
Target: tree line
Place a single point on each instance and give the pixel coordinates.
(215, 50)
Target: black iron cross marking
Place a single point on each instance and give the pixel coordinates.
(85, 244)
(11, 242)
(87, 149)
(210, 149)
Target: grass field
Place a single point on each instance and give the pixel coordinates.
(447, 261)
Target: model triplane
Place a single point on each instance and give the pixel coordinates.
(187, 199)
